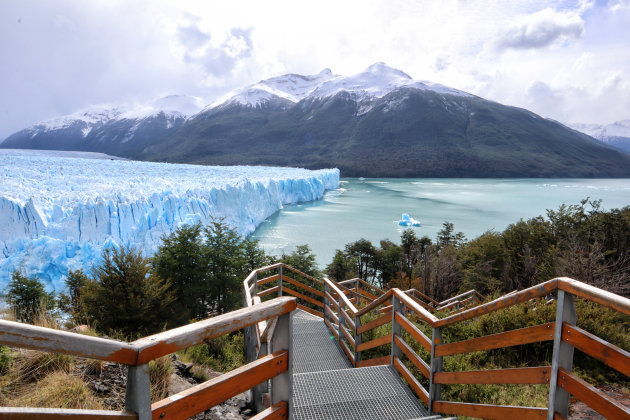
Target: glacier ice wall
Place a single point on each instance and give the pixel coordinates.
(57, 212)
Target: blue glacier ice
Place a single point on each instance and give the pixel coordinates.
(58, 209)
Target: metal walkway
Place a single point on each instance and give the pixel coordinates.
(326, 387)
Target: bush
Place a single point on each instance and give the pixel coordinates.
(6, 357)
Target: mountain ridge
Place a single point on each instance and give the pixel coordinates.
(377, 123)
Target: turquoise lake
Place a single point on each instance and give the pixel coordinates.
(370, 208)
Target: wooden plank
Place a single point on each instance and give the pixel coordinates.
(310, 311)
(422, 393)
(331, 314)
(429, 298)
(376, 303)
(331, 301)
(346, 350)
(168, 342)
(597, 348)
(486, 411)
(306, 276)
(412, 305)
(558, 416)
(269, 291)
(332, 329)
(301, 296)
(303, 286)
(525, 335)
(413, 357)
(382, 320)
(210, 393)
(386, 339)
(27, 336)
(414, 331)
(384, 360)
(592, 396)
(539, 290)
(277, 412)
(348, 337)
(530, 375)
(592, 293)
(341, 295)
(21, 413)
(268, 279)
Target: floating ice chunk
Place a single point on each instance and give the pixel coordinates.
(407, 220)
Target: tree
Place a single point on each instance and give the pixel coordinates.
(182, 259)
(126, 296)
(447, 236)
(303, 259)
(72, 302)
(363, 258)
(338, 270)
(225, 258)
(27, 297)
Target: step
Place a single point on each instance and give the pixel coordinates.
(370, 393)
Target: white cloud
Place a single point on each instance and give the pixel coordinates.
(540, 30)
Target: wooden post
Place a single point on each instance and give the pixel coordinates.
(280, 283)
(562, 356)
(281, 385)
(397, 305)
(138, 393)
(435, 390)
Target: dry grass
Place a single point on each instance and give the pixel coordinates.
(59, 390)
(160, 371)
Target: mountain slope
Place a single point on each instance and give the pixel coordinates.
(408, 132)
(378, 123)
(119, 130)
(616, 134)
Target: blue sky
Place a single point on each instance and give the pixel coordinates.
(566, 60)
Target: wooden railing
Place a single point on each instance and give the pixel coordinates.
(403, 312)
(274, 366)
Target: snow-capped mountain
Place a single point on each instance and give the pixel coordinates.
(108, 126)
(373, 83)
(616, 134)
(377, 123)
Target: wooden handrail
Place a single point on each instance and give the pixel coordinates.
(337, 296)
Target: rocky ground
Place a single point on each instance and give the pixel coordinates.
(579, 410)
(108, 381)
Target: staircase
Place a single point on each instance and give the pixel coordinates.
(326, 386)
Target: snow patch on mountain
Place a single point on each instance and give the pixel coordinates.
(604, 132)
(59, 209)
(374, 82)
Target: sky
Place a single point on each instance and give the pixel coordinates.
(565, 60)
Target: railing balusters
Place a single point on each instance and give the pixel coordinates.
(562, 355)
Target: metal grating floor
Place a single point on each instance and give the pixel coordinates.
(313, 348)
(371, 393)
(326, 387)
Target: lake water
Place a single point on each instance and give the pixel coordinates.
(370, 208)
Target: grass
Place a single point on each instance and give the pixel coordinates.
(59, 389)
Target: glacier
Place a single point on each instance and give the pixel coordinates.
(59, 209)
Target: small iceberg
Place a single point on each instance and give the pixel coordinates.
(407, 220)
